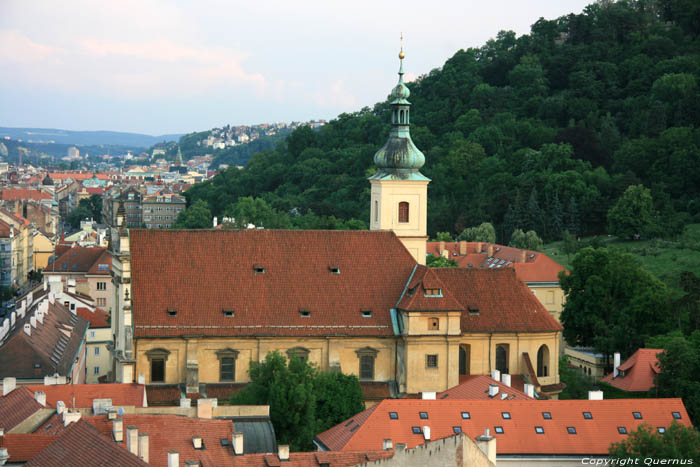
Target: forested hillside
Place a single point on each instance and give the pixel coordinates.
(543, 131)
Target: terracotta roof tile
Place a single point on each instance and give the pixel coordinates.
(169, 268)
(376, 390)
(84, 394)
(637, 372)
(173, 432)
(82, 444)
(593, 436)
(24, 446)
(416, 297)
(98, 318)
(16, 407)
(78, 259)
(311, 459)
(14, 194)
(159, 394)
(503, 302)
(477, 387)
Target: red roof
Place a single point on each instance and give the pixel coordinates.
(637, 372)
(503, 302)
(517, 418)
(311, 459)
(84, 394)
(183, 271)
(78, 176)
(531, 266)
(477, 387)
(80, 259)
(16, 407)
(173, 432)
(94, 190)
(24, 446)
(98, 318)
(417, 298)
(82, 444)
(14, 194)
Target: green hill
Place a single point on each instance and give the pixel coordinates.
(542, 131)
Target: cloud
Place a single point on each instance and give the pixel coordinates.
(335, 96)
(17, 47)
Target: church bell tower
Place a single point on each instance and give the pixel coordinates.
(399, 199)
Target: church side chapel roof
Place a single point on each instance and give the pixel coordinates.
(637, 372)
(308, 283)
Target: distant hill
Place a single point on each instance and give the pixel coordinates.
(112, 138)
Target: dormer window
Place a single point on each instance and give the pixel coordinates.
(334, 269)
(473, 310)
(228, 313)
(172, 312)
(366, 313)
(304, 312)
(433, 292)
(259, 269)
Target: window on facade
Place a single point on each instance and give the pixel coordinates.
(502, 358)
(376, 211)
(228, 369)
(543, 361)
(433, 292)
(97, 350)
(431, 361)
(101, 286)
(403, 212)
(227, 364)
(300, 352)
(92, 334)
(157, 370)
(434, 323)
(367, 356)
(96, 370)
(102, 301)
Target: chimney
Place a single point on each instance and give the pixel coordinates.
(46, 284)
(143, 447)
(505, 379)
(215, 221)
(9, 383)
(523, 256)
(426, 433)
(132, 440)
(111, 414)
(197, 442)
(71, 285)
(28, 328)
(530, 390)
(428, 396)
(60, 407)
(490, 251)
(237, 443)
(4, 456)
(595, 395)
(204, 408)
(118, 430)
(496, 375)
(32, 322)
(388, 445)
(141, 379)
(39, 316)
(52, 298)
(616, 364)
(173, 459)
(40, 397)
(442, 247)
(487, 444)
(493, 390)
(70, 417)
(478, 247)
(185, 403)
(504, 396)
(463, 248)
(13, 318)
(283, 452)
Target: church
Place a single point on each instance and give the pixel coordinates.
(195, 308)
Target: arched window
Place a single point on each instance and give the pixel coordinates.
(543, 361)
(401, 114)
(376, 211)
(403, 211)
(464, 359)
(393, 116)
(502, 358)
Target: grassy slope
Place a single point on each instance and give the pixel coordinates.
(666, 259)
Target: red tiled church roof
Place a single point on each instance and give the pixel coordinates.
(198, 274)
(82, 395)
(369, 428)
(637, 372)
(477, 387)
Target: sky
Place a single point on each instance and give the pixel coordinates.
(167, 66)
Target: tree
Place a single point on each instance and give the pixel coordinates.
(78, 214)
(678, 442)
(433, 261)
(256, 211)
(570, 246)
(680, 372)
(443, 237)
(612, 303)
(303, 401)
(525, 241)
(485, 232)
(633, 214)
(197, 216)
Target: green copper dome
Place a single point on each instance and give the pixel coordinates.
(399, 158)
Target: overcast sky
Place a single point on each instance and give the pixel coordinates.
(157, 66)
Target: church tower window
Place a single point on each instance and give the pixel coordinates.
(403, 211)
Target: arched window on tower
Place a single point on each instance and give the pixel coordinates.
(403, 211)
(543, 361)
(376, 211)
(401, 115)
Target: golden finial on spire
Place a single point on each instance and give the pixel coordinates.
(401, 54)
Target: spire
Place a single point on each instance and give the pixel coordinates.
(399, 158)
(178, 159)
